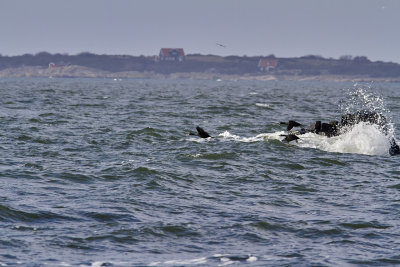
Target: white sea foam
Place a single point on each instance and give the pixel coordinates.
(228, 135)
(196, 261)
(252, 259)
(223, 261)
(263, 105)
(227, 260)
(362, 138)
(198, 140)
(260, 137)
(99, 263)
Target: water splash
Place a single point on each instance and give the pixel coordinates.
(362, 97)
(363, 138)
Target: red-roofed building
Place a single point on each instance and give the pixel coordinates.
(265, 64)
(53, 65)
(172, 54)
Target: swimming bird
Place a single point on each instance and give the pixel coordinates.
(289, 137)
(290, 124)
(200, 132)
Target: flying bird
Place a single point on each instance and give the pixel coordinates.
(221, 45)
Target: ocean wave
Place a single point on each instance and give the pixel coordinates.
(9, 214)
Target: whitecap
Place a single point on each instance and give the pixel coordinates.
(263, 105)
(198, 155)
(195, 261)
(252, 259)
(228, 259)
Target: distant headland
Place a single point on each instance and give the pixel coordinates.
(174, 63)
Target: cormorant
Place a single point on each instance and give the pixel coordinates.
(289, 137)
(200, 132)
(290, 124)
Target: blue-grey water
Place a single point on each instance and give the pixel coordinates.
(97, 172)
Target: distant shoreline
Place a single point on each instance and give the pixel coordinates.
(197, 66)
(74, 71)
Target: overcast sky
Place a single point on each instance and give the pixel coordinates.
(285, 28)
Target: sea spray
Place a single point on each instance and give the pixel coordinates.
(362, 138)
(362, 97)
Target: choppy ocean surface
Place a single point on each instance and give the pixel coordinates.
(100, 172)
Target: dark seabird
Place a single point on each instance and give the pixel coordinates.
(394, 148)
(289, 137)
(200, 132)
(291, 124)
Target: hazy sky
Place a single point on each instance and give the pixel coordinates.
(285, 28)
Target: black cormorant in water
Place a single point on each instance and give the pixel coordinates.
(200, 132)
(289, 137)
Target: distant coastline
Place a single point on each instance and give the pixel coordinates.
(84, 72)
(209, 67)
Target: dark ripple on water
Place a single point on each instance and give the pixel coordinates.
(98, 172)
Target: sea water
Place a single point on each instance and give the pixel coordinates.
(98, 172)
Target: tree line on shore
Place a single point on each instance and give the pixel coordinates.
(237, 65)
